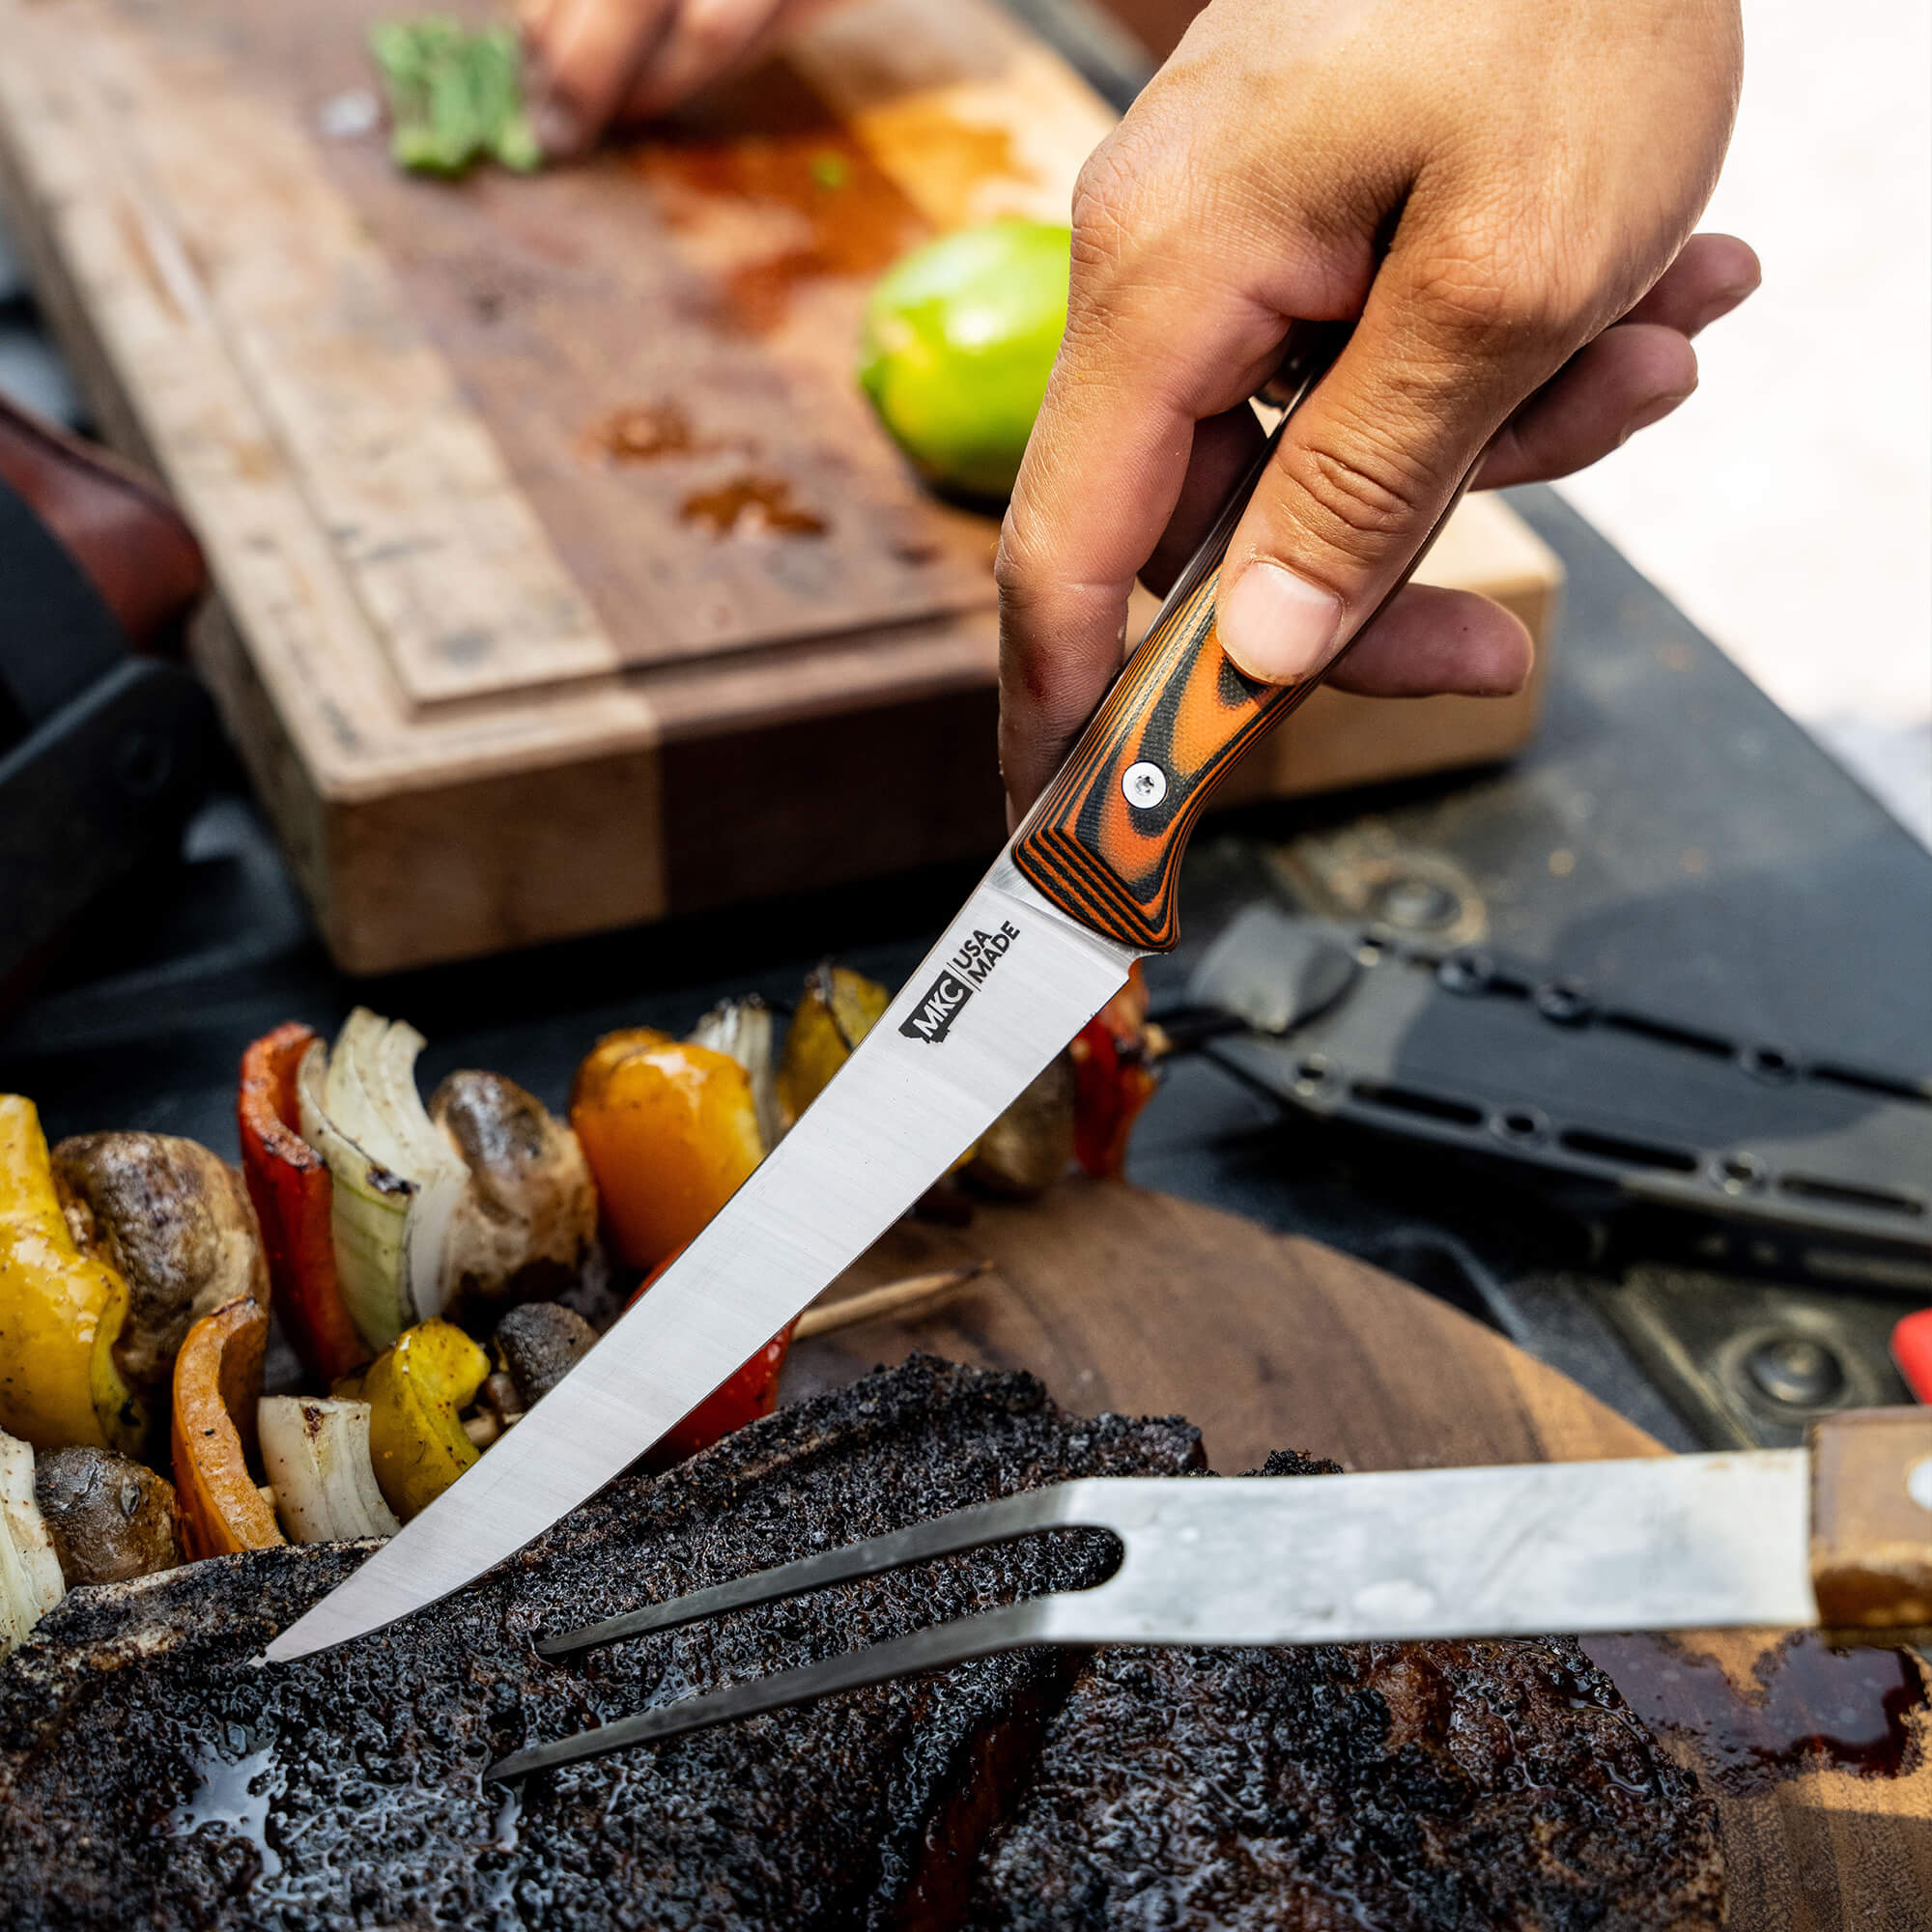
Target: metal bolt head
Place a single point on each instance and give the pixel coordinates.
(1144, 784)
(1565, 1003)
(1796, 1369)
(1466, 972)
(144, 761)
(1418, 904)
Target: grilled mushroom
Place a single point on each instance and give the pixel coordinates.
(538, 1345)
(109, 1517)
(176, 1221)
(528, 1217)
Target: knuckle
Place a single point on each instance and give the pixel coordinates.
(1013, 568)
(1363, 486)
(1500, 301)
(1102, 226)
(1120, 202)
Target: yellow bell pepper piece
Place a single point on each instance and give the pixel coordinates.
(415, 1389)
(670, 1131)
(61, 1311)
(837, 1009)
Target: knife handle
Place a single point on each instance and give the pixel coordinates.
(1105, 840)
(1871, 1523)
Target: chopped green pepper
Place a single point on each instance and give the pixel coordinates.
(455, 97)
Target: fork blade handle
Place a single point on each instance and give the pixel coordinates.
(1007, 1628)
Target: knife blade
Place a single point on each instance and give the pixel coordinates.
(1086, 885)
(1004, 989)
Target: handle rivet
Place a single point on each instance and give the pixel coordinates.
(1144, 784)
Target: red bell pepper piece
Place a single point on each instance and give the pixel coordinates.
(1113, 1078)
(290, 1185)
(748, 1393)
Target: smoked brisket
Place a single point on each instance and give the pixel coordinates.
(1401, 1786)
(150, 1775)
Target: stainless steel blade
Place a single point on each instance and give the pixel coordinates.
(1668, 1543)
(1006, 988)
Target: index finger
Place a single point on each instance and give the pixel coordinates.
(1103, 472)
(584, 56)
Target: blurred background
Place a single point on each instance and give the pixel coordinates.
(1786, 508)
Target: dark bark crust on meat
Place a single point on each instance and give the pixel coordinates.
(133, 1716)
(1447, 1786)
(1396, 1786)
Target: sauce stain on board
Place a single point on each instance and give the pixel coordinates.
(751, 506)
(1811, 1709)
(848, 217)
(643, 433)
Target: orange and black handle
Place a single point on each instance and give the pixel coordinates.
(1105, 840)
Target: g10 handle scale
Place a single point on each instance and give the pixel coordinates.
(1105, 840)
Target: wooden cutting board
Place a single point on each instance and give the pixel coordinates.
(566, 580)
(1136, 1302)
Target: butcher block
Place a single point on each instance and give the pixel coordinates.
(565, 581)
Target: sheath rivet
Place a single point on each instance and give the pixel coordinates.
(1798, 1371)
(1144, 784)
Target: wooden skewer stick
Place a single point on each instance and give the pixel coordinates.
(919, 1293)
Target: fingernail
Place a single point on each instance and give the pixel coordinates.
(1653, 411)
(1276, 625)
(555, 124)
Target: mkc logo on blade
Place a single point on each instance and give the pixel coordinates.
(932, 1020)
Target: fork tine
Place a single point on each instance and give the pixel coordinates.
(1004, 1629)
(964, 1530)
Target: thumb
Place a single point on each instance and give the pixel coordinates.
(1367, 466)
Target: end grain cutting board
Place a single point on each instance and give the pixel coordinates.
(565, 578)
(1123, 1301)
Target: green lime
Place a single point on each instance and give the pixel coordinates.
(958, 338)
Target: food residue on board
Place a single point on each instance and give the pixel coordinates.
(1811, 1709)
(643, 432)
(850, 217)
(751, 506)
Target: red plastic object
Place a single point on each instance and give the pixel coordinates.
(1911, 1351)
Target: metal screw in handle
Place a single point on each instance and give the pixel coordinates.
(1144, 784)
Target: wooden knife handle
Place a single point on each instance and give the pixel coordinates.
(1104, 842)
(1872, 1523)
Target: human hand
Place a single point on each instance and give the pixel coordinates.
(592, 62)
(1502, 190)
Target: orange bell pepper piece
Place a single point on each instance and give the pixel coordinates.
(670, 1131)
(289, 1182)
(217, 1385)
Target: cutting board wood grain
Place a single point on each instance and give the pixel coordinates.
(565, 578)
(1137, 1303)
